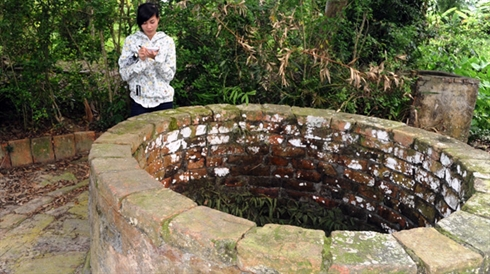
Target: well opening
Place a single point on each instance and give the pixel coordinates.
(384, 175)
(382, 184)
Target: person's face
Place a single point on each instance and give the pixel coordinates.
(150, 27)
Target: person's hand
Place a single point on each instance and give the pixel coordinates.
(144, 53)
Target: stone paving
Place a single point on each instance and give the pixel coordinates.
(39, 238)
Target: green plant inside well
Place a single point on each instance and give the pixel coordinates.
(262, 209)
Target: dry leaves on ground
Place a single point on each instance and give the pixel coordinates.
(22, 184)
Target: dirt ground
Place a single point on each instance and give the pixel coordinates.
(22, 184)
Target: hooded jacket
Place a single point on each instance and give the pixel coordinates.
(149, 80)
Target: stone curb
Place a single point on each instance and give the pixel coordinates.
(172, 232)
(16, 153)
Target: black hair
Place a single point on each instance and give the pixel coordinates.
(145, 12)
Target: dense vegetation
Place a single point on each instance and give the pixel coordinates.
(59, 57)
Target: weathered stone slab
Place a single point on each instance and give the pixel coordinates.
(482, 185)
(222, 112)
(115, 186)
(478, 204)
(438, 253)
(109, 151)
(84, 141)
(64, 263)
(368, 252)
(42, 150)
(471, 230)
(64, 146)
(21, 152)
(199, 114)
(207, 233)
(281, 249)
(25, 233)
(103, 165)
(148, 210)
(132, 139)
(33, 205)
(11, 220)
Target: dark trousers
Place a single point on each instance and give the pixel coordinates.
(137, 109)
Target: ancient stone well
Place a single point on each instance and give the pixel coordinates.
(430, 193)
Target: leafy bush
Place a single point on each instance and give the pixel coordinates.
(342, 55)
(266, 52)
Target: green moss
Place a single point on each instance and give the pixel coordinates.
(173, 124)
(166, 231)
(226, 250)
(327, 254)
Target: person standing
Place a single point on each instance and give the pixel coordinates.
(147, 63)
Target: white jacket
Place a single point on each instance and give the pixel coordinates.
(149, 80)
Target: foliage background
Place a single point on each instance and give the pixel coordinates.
(59, 58)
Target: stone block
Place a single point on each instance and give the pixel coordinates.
(482, 185)
(374, 253)
(148, 210)
(251, 112)
(222, 112)
(198, 114)
(5, 156)
(159, 119)
(438, 253)
(64, 146)
(471, 230)
(84, 141)
(478, 204)
(109, 151)
(104, 165)
(42, 150)
(281, 249)
(313, 117)
(208, 233)
(115, 186)
(132, 139)
(21, 152)
(277, 113)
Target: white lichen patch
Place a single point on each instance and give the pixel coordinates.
(173, 136)
(221, 172)
(349, 138)
(354, 164)
(452, 201)
(254, 149)
(387, 228)
(380, 135)
(408, 200)
(454, 183)
(276, 118)
(445, 160)
(218, 139)
(186, 132)
(296, 143)
(224, 130)
(386, 189)
(174, 146)
(318, 122)
(201, 130)
(175, 158)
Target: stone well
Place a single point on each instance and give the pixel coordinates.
(429, 193)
